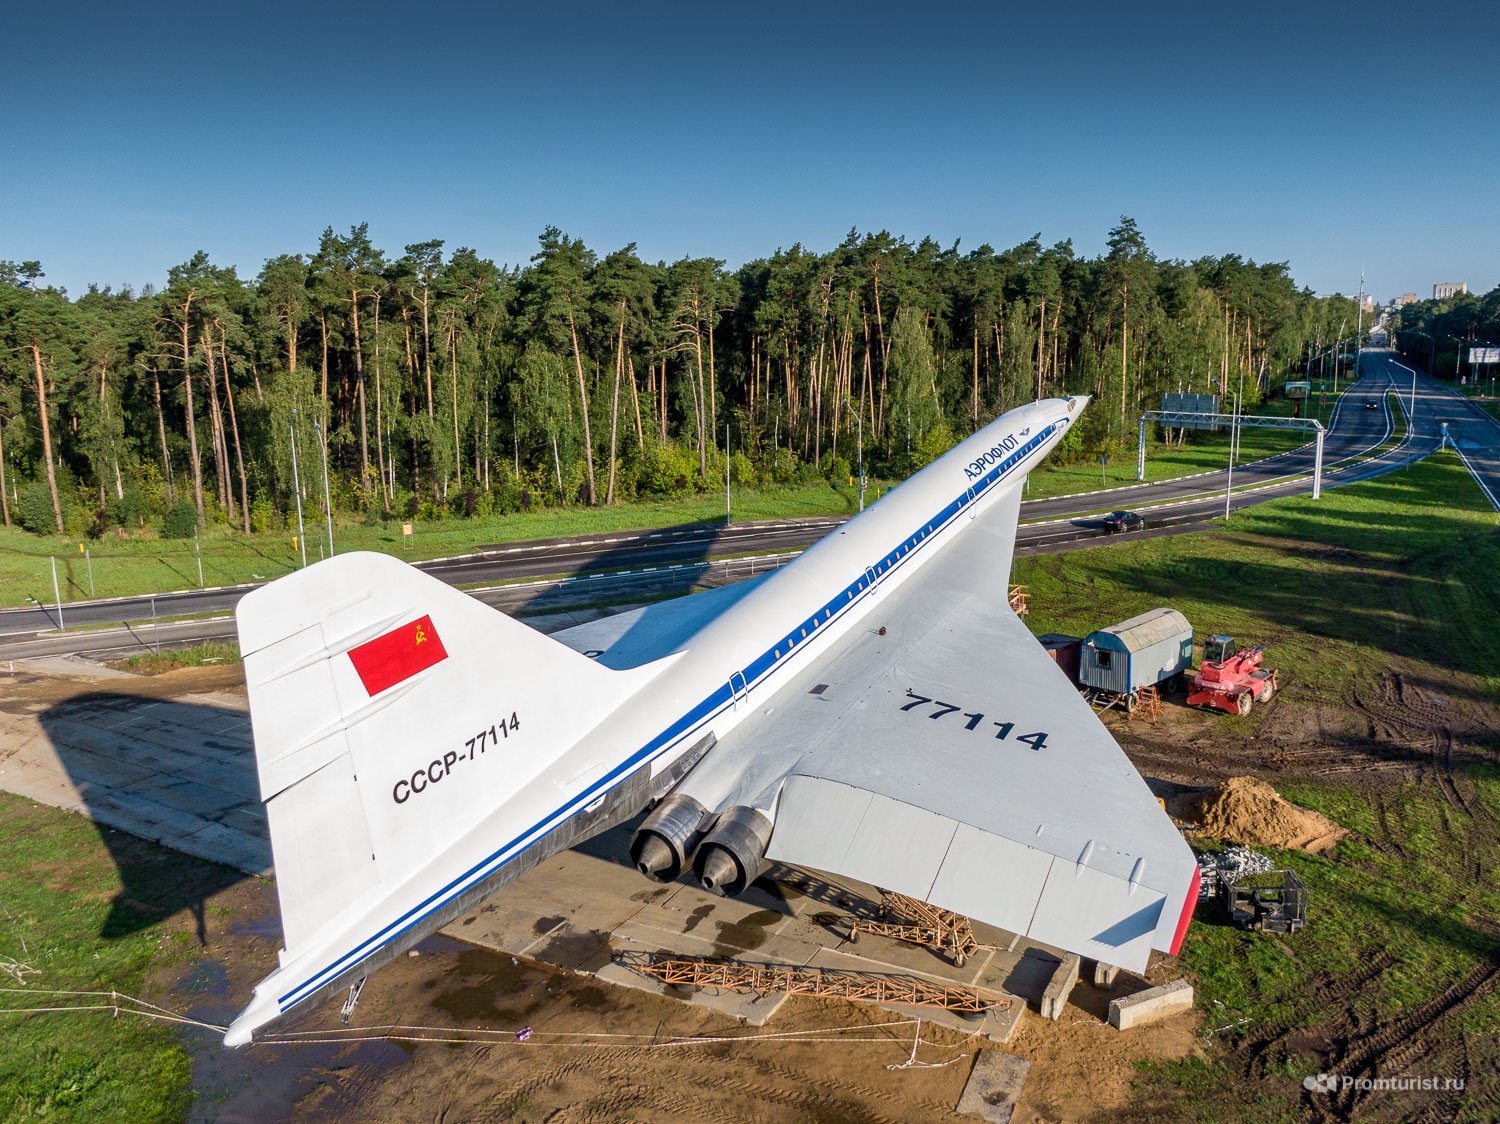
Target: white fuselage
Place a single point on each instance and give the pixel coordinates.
(718, 679)
(796, 617)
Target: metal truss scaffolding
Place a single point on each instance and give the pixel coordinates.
(688, 973)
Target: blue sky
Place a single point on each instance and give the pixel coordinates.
(1332, 136)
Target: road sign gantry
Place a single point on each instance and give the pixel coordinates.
(1171, 418)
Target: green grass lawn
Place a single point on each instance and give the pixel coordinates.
(65, 913)
(115, 567)
(198, 655)
(151, 564)
(1402, 564)
(1397, 906)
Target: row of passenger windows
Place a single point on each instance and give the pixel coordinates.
(880, 568)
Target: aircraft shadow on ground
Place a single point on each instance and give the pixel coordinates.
(687, 556)
(165, 782)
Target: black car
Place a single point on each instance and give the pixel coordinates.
(1117, 521)
(1372, 405)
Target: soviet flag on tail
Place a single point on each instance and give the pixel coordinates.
(395, 656)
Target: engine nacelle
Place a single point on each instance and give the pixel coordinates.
(664, 843)
(733, 853)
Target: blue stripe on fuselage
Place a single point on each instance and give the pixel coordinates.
(755, 672)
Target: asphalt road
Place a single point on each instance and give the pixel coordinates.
(1471, 431)
(667, 562)
(583, 555)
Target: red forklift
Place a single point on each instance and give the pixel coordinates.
(1231, 678)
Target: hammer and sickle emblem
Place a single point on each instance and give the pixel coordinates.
(421, 636)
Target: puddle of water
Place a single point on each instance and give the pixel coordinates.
(583, 951)
(261, 1083)
(266, 927)
(206, 979)
(697, 917)
(748, 933)
(472, 991)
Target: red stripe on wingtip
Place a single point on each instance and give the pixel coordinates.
(1187, 912)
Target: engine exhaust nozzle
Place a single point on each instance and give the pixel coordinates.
(664, 843)
(733, 853)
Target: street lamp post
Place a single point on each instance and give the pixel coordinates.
(297, 489)
(1359, 330)
(327, 501)
(1233, 433)
(859, 418)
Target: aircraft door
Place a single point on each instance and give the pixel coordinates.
(870, 579)
(738, 689)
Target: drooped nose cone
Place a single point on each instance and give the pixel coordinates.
(655, 859)
(719, 870)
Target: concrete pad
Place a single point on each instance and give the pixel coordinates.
(1055, 997)
(200, 799)
(223, 844)
(171, 822)
(90, 767)
(1105, 974)
(1151, 1005)
(581, 908)
(74, 667)
(994, 1086)
(178, 772)
(999, 1025)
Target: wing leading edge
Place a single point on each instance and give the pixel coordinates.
(947, 758)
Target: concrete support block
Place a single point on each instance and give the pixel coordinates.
(1055, 997)
(1150, 1005)
(1104, 974)
(993, 1086)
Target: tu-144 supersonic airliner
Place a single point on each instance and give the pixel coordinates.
(873, 710)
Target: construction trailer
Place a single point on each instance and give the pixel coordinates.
(1064, 652)
(1124, 663)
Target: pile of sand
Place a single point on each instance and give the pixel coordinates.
(1249, 811)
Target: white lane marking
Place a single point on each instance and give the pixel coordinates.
(1478, 479)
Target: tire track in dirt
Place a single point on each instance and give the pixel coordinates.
(1399, 1041)
(623, 1103)
(749, 1088)
(873, 1096)
(593, 1060)
(1267, 1046)
(671, 1084)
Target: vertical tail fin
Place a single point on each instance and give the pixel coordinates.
(391, 714)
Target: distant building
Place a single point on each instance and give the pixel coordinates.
(1445, 289)
(1404, 299)
(1367, 302)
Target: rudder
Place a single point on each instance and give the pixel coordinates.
(391, 712)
